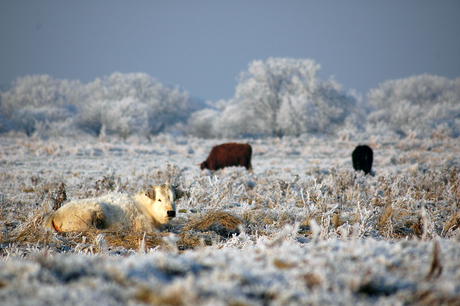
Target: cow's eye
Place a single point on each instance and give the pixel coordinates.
(159, 200)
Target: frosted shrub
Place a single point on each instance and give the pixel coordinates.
(89, 118)
(265, 86)
(29, 119)
(235, 120)
(332, 106)
(165, 107)
(39, 91)
(422, 104)
(226, 120)
(283, 96)
(202, 123)
(123, 104)
(5, 125)
(299, 115)
(41, 103)
(123, 117)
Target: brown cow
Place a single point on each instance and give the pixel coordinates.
(228, 154)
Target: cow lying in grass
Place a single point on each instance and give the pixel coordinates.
(146, 211)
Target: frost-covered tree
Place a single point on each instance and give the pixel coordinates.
(165, 107)
(203, 123)
(39, 91)
(265, 86)
(123, 104)
(121, 117)
(283, 96)
(29, 119)
(323, 111)
(423, 104)
(39, 101)
(5, 125)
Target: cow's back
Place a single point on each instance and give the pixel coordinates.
(362, 158)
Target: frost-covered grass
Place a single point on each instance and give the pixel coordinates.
(303, 228)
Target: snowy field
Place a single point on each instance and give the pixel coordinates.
(302, 228)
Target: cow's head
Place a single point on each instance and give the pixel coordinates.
(163, 207)
(204, 165)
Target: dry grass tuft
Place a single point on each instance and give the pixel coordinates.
(435, 265)
(453, 223)
(312, 280)
(193, 240)
(416, 227)
(173, 175)
(151, 297)
(60, 198)
(337, 221)
(384, 222)
(223, 223)
(283, 264)
(127, 240)
(107, 183)
(430, 297)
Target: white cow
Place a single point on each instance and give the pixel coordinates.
(147, 211)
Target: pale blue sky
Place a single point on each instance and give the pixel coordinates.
(203, 46)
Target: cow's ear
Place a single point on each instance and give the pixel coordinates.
(150, 193)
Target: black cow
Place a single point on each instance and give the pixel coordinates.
(362, 158)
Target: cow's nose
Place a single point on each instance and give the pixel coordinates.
(171, 213)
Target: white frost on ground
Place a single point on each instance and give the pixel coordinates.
(242, 273)
(273, 261)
